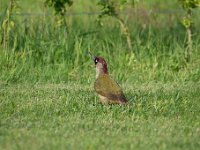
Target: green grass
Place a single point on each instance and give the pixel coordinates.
(69, 116)
(47, 99)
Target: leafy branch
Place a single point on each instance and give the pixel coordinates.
(60, 9)
(111, 8)
(188, 6)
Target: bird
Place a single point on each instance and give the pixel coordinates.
(107, 89)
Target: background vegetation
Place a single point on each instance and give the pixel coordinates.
(47, 99)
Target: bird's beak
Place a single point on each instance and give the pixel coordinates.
(92, 56)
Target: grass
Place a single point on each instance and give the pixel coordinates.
(47, 99)
(69, 116)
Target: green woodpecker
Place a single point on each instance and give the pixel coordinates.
(107, 89)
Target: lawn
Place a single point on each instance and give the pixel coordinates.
(70, 116)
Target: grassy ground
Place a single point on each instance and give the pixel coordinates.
(69, 116)
(47, 99)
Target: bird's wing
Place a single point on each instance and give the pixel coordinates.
(107, 87)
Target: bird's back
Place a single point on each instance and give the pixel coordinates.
(107, 87)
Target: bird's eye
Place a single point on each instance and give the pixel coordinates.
(96, 61)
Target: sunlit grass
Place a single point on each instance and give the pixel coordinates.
(60, 116)
(47, 100)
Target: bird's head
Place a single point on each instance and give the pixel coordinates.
(100, 64)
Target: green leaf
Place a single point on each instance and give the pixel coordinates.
(186, 22)
(190, 4)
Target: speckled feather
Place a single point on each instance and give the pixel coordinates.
(107, 87)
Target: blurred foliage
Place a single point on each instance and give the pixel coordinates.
(190, 4)
(59, 5)
(8, 22)
(187, 22)
(43, 53)
(60, 9)
(112, 8)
